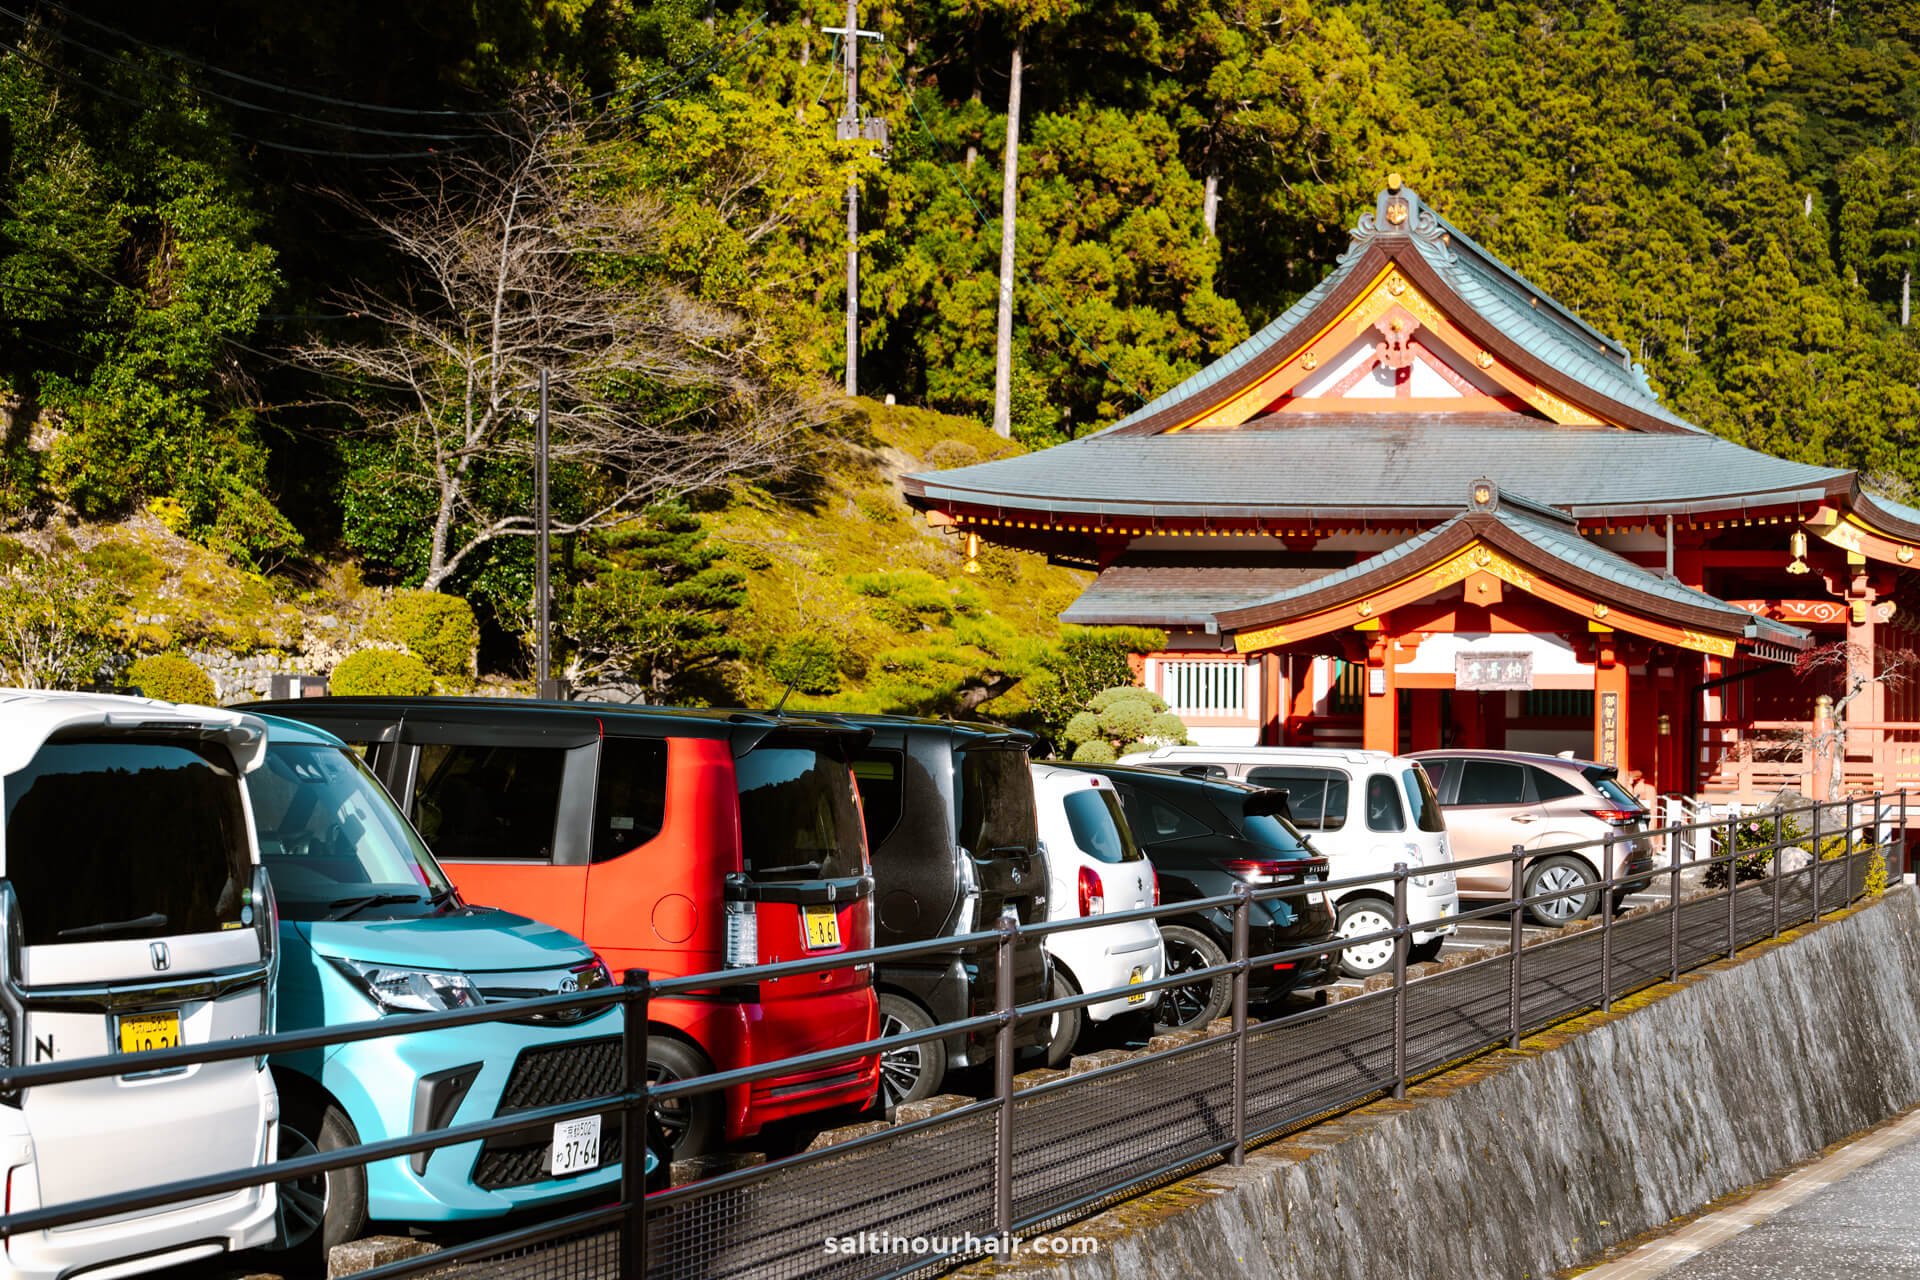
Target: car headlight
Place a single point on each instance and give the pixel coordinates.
(398, 990)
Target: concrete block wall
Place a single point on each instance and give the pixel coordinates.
(1522, 1164)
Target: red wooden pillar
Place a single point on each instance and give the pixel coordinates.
(1426, 719)
(1273, 697)
(1610, 724)
(1380, 716)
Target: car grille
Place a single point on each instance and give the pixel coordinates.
(548, 1077)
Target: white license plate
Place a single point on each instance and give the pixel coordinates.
(576, 1146)
(1317, 899)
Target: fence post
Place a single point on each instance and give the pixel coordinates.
(1733, 877)
(1903, 837)
(635, 987)
(1606, 925)
(1400, 940)
(1673, 905)
(1242, 906)
(1846, 858)
(1513, 952)
(1814, 843)
(1003, 1075)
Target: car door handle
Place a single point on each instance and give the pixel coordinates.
(1521, 817)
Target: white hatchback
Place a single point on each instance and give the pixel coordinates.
(1363, 811)
(134, 916)
(1093, 867)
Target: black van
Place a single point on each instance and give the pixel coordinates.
(955, 845)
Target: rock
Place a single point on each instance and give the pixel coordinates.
(939, 1104)
(374, 1251)
(1790, 860)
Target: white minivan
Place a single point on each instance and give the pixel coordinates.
(1094, 867)
(134, 916)
(1363, 811)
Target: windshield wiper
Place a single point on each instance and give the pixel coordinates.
(152, 920)
(354, 906)
(444, 897)
(811, 868)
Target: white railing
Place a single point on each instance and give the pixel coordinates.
(1204, 688)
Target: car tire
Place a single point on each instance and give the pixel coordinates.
(1201, 1002)
(916, 1072)
(1364, 914)
(320, 1211)
(691, 1125)
(1064, 1033)
(1562, 872)
(1425, 952)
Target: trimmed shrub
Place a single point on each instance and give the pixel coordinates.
(381, 673)
(1098, 751)
(436, 628)
(172, 677)
(1120, 721)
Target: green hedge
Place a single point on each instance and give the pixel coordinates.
(381, 673)
(438, 629)
(172, 677)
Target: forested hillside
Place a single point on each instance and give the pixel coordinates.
(282, 278)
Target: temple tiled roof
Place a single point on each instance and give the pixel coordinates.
(1553, 545)
(1182, 589)
(1412, 466)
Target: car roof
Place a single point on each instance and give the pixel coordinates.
(612, 717)
(1156, 777)
(967, 728)
(1205, 754)
(1516, 757)
(31, 716)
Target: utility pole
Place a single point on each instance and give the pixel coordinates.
(542, 661)
(1009, 209)
(852, 128)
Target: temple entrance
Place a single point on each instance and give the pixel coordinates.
(1548, 721)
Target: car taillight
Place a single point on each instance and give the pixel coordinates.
(1155, 873)
(743, 936)
(1093, 894)
(1618, 817)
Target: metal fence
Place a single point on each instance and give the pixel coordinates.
(921, 1195)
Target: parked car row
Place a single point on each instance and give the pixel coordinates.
(176, 875)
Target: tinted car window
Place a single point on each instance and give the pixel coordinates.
(1551, 786)
(878, 773)
(1158, 820)
(1383, 805)
(1423, 800)
(996, 801)
(1317, 798)
(331, 838)
(124, 839)
(797, 815)
(1437, 770)
(1492, 782)
(1608, 785)
(1098, 827)
(630, 796)
(475, 802)
(1270, 833)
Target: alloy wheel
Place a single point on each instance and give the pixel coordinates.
(303, 1201)
(900, 1069)
(1560, 879)
(674, 1114)
(1184, 1003)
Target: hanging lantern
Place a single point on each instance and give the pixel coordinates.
(973, 553)
(1798, 545)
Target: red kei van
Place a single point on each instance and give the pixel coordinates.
(681, 842)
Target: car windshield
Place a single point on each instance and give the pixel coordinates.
(1422, 801)
(1607, 783)
(1098, 827)
(333, 842)
(996, 801)
(120, 838)
(1272, 834)
(798, 817)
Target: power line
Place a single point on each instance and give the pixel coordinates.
(1046, 294)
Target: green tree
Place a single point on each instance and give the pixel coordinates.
(648, 619)
(56, 623)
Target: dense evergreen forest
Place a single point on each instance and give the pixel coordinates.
(259, 274)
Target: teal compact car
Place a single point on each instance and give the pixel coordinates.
(371, 928)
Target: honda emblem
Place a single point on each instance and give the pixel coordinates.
(162, 958)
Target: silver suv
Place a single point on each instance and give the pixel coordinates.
(1495, 800)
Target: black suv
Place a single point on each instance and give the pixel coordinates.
(1204, 836)
(955, 846)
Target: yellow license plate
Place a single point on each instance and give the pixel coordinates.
(823, 927)
(140, 1032)
(1134, 979)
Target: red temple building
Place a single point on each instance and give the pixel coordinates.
(1430, 506)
